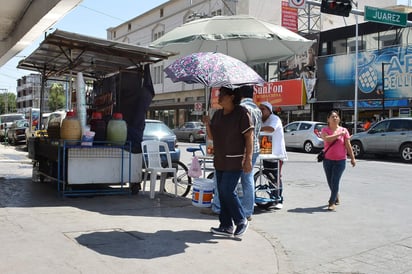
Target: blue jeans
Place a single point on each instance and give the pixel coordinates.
(231, 210)
(271, 167)
(333, 171)
(248, 186)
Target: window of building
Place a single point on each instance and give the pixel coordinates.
(389, 38)
(129, 27)
(406, 36)
(114, 34)
(161, 12)
(324, 49)
(216, 12)
(158, 74)
(352, 44)
(371, 41)
(339, 47)
(158, 34)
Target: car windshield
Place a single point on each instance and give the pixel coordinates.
(22, 123)
(157, 129)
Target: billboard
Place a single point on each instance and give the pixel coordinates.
(336, 75)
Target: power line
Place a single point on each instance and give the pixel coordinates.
(102, 13)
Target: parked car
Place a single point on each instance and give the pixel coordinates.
(390, 136)
(32, 132)
(191, 131)
(304, 135)
(16, 133)
(5, 122)
(157, 130)
(350, 127)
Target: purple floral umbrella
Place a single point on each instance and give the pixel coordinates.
(213, 70)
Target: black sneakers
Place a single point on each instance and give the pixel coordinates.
(241, 229)
(222, 231)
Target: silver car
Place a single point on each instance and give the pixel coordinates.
(191, 131)
(390, 136)
(304, 135)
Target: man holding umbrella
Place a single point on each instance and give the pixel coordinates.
(231, 130)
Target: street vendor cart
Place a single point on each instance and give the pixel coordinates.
(121, 80)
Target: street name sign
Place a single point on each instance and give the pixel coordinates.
(385, 16)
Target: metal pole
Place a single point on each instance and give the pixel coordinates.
(355, 127)
(383, 90)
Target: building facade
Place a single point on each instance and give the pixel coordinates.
(384, 78)
(28, 93)
(174, 103)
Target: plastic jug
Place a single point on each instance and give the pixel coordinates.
(117, 130)
(70, 128)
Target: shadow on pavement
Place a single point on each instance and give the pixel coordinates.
(139, 245)
(25, 193)
(309, 210)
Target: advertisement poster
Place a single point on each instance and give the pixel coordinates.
(336, 75)
(281, 93)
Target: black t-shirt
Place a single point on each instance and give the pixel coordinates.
(228, 137)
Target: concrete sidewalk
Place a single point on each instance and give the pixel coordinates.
(45, 233)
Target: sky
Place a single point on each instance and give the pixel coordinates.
(90, 17)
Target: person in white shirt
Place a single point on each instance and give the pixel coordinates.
(272, 123)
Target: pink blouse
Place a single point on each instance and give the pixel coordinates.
(337, 151)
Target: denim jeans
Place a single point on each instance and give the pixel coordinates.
(271, 167)
(333, 171)
(248, 186)
(231, 210)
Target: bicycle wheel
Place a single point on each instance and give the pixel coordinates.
(265, 187)
(184, 182)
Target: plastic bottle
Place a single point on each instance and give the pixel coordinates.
(117, 130)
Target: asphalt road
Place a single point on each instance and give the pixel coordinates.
(371, 231)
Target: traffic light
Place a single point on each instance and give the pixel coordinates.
(336, 7)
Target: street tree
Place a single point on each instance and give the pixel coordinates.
(7, 102)
(57, 99)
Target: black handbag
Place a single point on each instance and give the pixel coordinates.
(321, 154)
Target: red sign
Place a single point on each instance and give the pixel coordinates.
(282, 93)
(289, 17)
(279, 94)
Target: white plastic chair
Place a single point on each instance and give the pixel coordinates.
(152, 152)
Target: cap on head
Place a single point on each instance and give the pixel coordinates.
(268, 105)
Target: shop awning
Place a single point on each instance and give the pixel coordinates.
(64, 53)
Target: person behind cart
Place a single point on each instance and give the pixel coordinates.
(272, 123)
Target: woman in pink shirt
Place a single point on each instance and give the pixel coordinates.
(337, 143)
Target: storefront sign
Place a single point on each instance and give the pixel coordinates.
(281, 93)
